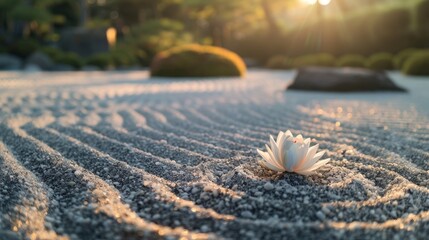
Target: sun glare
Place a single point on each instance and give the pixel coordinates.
(324, 2)
(312, 2)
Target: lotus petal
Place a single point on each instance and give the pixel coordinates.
(290, 154)
(314, 167)
(310, 154)
(310, 162)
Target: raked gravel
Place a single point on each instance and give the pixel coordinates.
(118, 155)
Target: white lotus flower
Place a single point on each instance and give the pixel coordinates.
(292, 154)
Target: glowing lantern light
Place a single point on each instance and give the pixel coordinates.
(111, 36)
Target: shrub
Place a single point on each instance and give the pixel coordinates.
(380, 61)
(402, 57)
(23, 47)
(3, 49)
(123, 56)
(197, 61)
(417, 64)
(53, 53)
(321, 59)
(59, 56)
(101, 60)
(353, 60)
(117, 57)
(279, 62)
(70, 58)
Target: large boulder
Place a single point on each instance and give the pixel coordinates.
(343, 80)
(9, 62)
(41, 60)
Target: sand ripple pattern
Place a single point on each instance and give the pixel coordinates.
(118, 155)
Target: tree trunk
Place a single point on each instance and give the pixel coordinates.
(83, 12)
(269, 17)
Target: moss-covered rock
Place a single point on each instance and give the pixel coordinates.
(417, 64)
(197, 61)
(380, 61)
(352, 60)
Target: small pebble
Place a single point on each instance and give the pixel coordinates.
(246, 214)
(268, 186)
(320, 215)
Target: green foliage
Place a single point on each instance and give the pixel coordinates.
(35, 13)
(70, 58)
(422, 20)
(422, 10)
(135, 11)
(257, 29)
(59, 56)
(352, 60)
(157, 26)
(101, 60)
(380, 61)
(28, 14)
(392, 20)
(321, 59)
(365, 31)
(123, 56)
(53, 53)
(417, 64)
(279, 62)
(120, 56)
(394, 23)
(23, 47)
(152, 37)
(197, 61)
(402, 57)
(67, 13)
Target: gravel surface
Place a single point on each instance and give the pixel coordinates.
(117, 155)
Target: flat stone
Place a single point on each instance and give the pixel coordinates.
(342, 80)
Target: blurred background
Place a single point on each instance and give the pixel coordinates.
(278, 34)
